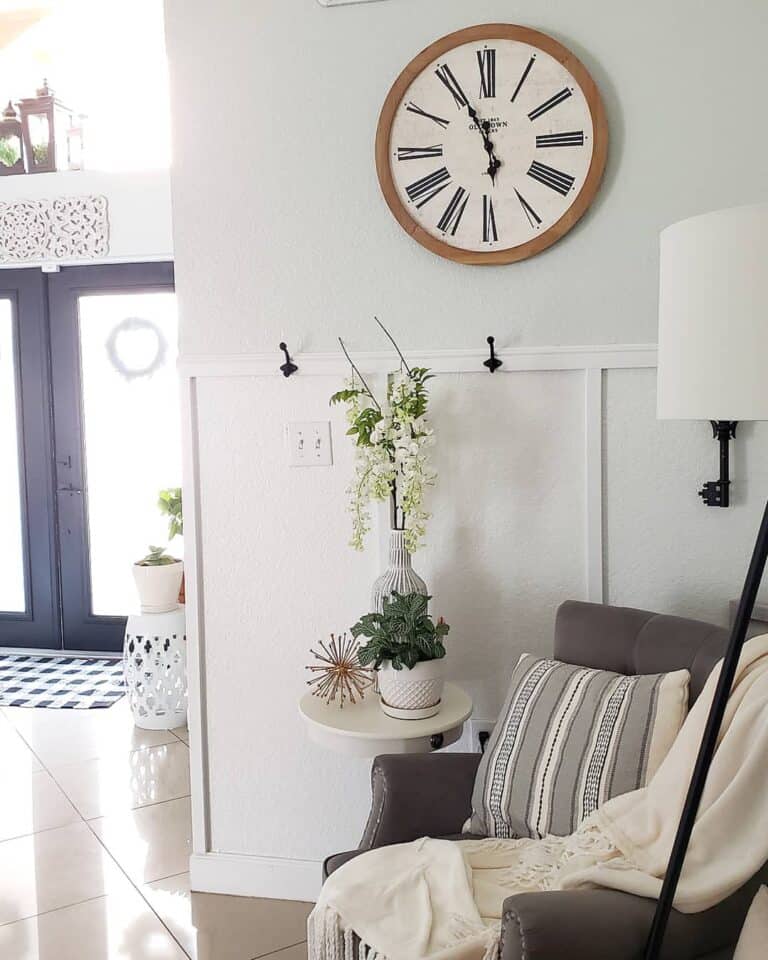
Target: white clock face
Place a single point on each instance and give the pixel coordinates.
(490, 145)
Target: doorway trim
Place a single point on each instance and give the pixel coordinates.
(39, 624)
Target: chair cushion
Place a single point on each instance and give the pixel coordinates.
(567, 739)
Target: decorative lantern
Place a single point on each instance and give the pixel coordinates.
(75, 147)
(11, 149)
(45, 121)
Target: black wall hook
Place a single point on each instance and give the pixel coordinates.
(289, 366)
(493, 363)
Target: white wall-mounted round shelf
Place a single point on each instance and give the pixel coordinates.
(363, 730)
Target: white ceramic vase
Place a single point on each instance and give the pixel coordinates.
(158, 586)
(399, 577)
(411, 694)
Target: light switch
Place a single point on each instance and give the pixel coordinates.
(309, 444)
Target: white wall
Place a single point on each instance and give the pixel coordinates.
(509, 545)
(281, 233)
(275, 105)
(139, 208)
(664, 550)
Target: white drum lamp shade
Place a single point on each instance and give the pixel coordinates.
(713, 317)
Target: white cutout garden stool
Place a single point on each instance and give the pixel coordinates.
(155, 663)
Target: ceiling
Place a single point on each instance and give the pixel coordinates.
(14, 21)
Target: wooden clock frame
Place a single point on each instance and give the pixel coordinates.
(493, 31)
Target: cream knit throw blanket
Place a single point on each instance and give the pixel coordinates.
(442, 900)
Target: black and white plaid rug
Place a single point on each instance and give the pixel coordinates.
(63, 683)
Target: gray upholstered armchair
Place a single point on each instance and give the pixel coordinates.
(429, 795)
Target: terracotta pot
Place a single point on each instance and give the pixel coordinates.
(158, 586)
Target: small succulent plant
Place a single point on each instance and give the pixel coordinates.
(157, 557)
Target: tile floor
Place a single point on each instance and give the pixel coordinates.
(94, 841)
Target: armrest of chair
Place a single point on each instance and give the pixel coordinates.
(610, 925)
(578, 924)
(419, 795)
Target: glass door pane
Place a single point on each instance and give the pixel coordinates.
(131, 434)
(117, 430)
(13, 590)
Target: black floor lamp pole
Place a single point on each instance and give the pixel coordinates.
(708, 742)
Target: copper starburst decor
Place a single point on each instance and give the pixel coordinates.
(339, 673)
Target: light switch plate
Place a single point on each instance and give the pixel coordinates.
(309, 443)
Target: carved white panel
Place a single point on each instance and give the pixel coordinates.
(61, 228)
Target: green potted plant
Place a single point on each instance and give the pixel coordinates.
(406, 648)
(158, 578)
(169, 503)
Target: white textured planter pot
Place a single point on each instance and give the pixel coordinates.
(158, 586)
(411, 694)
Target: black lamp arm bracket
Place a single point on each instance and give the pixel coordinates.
(724, 429)
(716, 493)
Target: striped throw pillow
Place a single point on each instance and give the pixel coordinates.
(567, 739)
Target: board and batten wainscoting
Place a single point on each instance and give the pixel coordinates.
(563, 385)
(555, 480)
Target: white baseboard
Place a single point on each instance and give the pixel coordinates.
(240, 875)
(58, 652)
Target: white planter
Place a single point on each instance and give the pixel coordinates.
(411, 694)
(158, 586)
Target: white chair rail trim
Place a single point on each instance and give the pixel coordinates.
(598, 357)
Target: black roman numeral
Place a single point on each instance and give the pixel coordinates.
(486, 61)
(419, 153)
(489, 221)
(452, 85)
(422, 191)
(523, 78)
(533, 218)
(573, 139)
(552, 102)
(451, 218)
(554, 179)
(413, 108)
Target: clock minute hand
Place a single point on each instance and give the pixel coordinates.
(493, 161)
(484, 127)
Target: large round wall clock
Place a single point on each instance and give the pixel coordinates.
(491, 144)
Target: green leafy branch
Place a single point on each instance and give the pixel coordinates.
(169, 503)
(391, 440)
